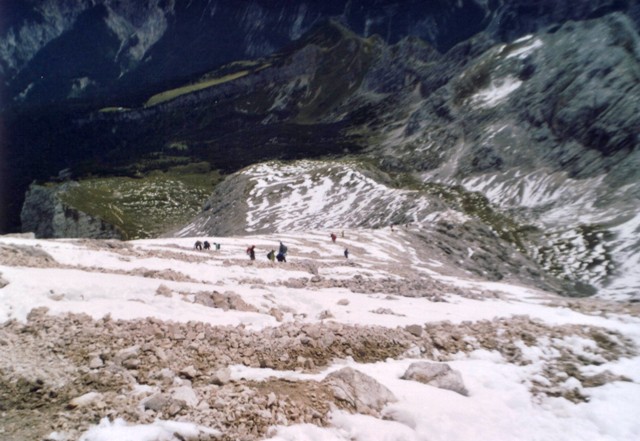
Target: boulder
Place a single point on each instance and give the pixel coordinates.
(359, 390)
(185, 394)
(220, 376)
(156, 402)
(85, 400)
(414, 330)
(189, 372)
(436, 374)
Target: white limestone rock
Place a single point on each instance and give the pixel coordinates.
(361, 391)
(436, 374)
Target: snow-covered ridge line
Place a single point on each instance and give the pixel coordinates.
(317, 194)
(310, 195)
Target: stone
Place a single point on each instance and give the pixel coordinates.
(96, 362)
(156, 402)
(163, 290)
(271, 399)
(359, 390)
(127, 353)
(185, 394)
(414, 330)
(84, 400)
(131, 363)
(439, 375)
(220, 376)
(189, 372)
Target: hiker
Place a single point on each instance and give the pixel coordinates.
(207, 245)
(283, 249)
(217, 246)
(251, 251)
(346, 253)
(281, 257)
(272, 255)
(198, 245)
(333, 237)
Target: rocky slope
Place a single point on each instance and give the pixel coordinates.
(129, 362)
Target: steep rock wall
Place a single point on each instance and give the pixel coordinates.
(48, 217)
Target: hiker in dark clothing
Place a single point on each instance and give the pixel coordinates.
(198, 245)
(346, 253)
(283, 249)
(251, 251)
(281, 257)
(207, 245)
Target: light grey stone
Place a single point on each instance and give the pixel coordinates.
(186, 394)
(361, 391)
(156, 402)
(436, 374)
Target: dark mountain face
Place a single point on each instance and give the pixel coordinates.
(52, 51)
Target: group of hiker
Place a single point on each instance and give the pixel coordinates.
(199, 245)
(271, 255)
(281, 256)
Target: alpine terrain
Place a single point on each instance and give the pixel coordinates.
(458, 184)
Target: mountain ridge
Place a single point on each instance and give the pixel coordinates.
(494, 118)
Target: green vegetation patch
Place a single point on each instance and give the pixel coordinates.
(174, 93)
(148, 206)
(114, 109)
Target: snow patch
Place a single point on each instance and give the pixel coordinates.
(526, 50)
(497, 92)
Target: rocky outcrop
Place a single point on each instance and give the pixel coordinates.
(48, 217)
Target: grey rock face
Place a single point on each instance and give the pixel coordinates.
(142, 36)
(436, 374)
(48, 217)
(585, 87)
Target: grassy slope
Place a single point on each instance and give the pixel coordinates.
(147, 206)
(174, 93)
